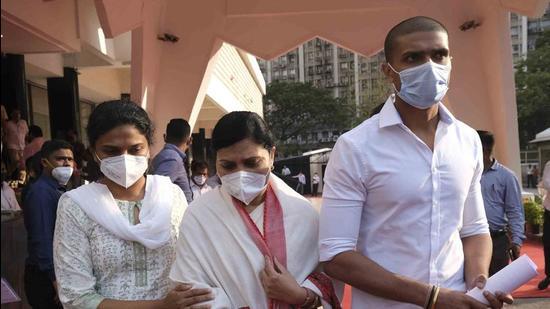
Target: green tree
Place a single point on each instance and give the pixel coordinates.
(376, 94)
(293, 109)
(533, 90)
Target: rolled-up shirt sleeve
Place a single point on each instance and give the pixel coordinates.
(474, 220)
(344, 195)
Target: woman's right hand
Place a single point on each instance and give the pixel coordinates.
(184, 296)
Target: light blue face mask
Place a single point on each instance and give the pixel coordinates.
(424, 85)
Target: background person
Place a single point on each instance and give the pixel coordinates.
(16, 131)
(301, 182)
(543, 284)
(40, 213)
(503, 206)
(315, 181)
(170, 161)
(199, 178)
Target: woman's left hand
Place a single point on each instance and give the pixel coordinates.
(279, 284)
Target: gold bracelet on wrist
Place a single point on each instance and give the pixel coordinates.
(436, 294)
(429, 298)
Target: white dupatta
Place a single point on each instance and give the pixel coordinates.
(153, 229)
(215, 250)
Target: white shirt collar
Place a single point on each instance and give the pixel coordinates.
(389, 115)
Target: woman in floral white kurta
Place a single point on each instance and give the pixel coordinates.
(114, 240)
(96, 264)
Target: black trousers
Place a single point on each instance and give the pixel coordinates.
(300, 188)
(39, 289)
(531, 181)
(500, 256)
(546, 242)
(315, 188)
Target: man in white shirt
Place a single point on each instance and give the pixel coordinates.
(315, 180)
(199, 178)
(301, 182)
(16, 131)
(285, 171)
(546, 229)
(402, 219)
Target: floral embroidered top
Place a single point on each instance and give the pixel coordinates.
(92, 264)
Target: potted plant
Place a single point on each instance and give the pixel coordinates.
(534, 217)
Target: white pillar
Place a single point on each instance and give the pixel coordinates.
(356, 72)
(268, 72)
(335, 73)
(301, 64)
(524, 36)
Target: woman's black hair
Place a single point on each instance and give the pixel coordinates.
(111, 114)
(237, 126)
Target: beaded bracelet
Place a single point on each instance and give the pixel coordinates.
(307, 300)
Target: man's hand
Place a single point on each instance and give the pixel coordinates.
(56, 289)
(497, 300)
(516, 251)
(449, 299)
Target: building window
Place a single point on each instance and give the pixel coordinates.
(344, 65)
(319, 69)
(344, 80)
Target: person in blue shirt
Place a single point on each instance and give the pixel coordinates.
(170, 161)
(40, 209)
(503, 206)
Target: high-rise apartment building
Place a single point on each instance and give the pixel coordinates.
(325, 65)
(346, 74)
(524, 32)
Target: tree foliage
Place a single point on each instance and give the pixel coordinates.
(293, 109)
(533, 90)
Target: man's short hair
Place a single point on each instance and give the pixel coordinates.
(487, 139)
(197, 166)
(177, 130)
(52, 146)
(35, 131)
(408, 26)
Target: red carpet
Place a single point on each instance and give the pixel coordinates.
(533, 248)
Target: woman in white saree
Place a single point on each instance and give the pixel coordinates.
(253, 240)
(114, 240)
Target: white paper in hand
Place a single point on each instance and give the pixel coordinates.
(507, 279)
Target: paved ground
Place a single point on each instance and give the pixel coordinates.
(531, 303)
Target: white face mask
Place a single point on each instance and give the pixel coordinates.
(199, 180)
(62, 174)
(125, 169)
(424, 85)
(244, 186)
